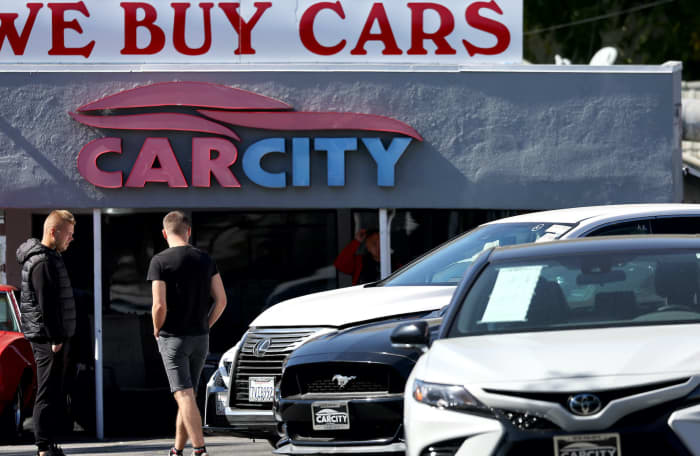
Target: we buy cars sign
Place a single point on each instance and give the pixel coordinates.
(274, 31)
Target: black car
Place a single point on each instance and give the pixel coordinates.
(346, 390)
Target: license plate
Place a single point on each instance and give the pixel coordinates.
(327, 416)
(261, 389)
(220, 402)
(587, 445)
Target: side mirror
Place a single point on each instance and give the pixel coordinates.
(412, 335)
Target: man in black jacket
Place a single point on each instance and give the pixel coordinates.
(48, 321)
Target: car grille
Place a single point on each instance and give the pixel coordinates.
(329, 379)
(642, 432)
(382, 430)
(282, 342)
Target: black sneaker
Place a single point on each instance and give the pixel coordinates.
(175, 452)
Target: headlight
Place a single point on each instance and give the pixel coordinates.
(452, 397)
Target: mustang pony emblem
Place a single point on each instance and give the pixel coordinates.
(342, 380)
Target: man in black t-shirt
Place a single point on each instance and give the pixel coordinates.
(184, 281)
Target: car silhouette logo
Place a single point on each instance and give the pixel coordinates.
(261, 348)
(342, 380)
(584, 404)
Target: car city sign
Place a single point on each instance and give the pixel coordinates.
(208, 112)
(274, 31)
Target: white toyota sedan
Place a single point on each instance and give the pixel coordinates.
(576, 348)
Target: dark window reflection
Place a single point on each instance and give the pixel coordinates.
(416, 231)
(265, 258)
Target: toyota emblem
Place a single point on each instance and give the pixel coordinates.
(584, 404)
(261, 348)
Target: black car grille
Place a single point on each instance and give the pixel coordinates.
(646, 443)
(267, 364)
(642, 432)
(331, 378)
(361, 431)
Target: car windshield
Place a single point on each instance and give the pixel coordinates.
(446, 264)
(588, 290)
(7, 319)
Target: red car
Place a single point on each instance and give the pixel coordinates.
(17, 368)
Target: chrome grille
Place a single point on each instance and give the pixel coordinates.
(282, 342)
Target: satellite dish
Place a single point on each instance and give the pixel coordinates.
(604, 56)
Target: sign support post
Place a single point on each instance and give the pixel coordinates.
(99, 394)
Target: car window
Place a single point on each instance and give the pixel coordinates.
(676, 225)
(584, 291)
(447, 264)
(7, 318)
(625, 228)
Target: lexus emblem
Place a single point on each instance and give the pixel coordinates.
(584, 404)
(261, 348)
(342, 380)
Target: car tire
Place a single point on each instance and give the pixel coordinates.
(11, 422)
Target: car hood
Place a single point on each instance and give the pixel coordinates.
(567, 360)
(6, 337)
(345, 306)
(356, 342)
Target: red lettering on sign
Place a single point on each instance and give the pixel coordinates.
(169, 170)
(487, 25)
(9, 31)
(306, 28)
(59, 25)
(203, 165)
(385, 35)
(243, 28)
(87, 163)
(132, 24)
(418, 33)
(179, 29)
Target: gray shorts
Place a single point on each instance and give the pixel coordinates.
(183, 358)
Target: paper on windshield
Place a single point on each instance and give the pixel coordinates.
(553, 232)
(512, 293)
(487, 245)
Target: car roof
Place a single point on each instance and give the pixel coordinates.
(578, 214)
(597, 245)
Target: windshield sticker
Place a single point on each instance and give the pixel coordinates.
(546, 237)
(488, 245)
(558, 229)
(511, 295)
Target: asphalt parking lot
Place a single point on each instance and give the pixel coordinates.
(217, 446)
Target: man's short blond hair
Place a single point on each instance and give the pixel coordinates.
(176, 222)
(57, 219)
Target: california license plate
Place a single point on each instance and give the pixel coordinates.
(261, 389)
(587, 445)
(328, 416)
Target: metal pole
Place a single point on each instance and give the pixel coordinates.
(99, 394)
(384, 244)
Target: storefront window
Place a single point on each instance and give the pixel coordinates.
(265, 258)
(415, 231)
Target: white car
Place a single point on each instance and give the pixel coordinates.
(579, 348)
(239, 394)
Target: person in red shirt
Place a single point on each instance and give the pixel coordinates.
(360, 258)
